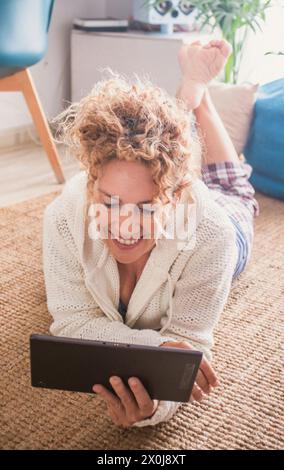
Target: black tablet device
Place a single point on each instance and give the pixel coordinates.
(76, 365)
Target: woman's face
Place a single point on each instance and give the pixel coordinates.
(129, 226)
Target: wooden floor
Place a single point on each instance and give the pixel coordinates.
(25, 173)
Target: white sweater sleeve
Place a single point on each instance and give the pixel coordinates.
(74, 310)
(199, 300)
(201, 292)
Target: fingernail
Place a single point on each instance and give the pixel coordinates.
(114, 380)
(96, 389)
(133, 382)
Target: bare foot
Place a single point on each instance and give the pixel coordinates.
(199, 65)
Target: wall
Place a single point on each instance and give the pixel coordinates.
(118, 8)
(256, 66)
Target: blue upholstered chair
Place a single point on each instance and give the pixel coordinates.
(23, 40)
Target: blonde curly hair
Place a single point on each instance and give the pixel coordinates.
(135, 122)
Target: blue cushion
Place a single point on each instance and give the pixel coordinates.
(264, 150)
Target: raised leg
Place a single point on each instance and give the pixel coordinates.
(199, 65)
(218, 146)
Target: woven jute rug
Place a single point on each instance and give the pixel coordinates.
(246, 412)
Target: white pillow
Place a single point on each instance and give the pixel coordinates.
(235, 104)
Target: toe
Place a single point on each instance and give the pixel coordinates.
(196, 43)
(212, 43)
(226, 48)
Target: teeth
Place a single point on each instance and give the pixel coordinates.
(127, 242)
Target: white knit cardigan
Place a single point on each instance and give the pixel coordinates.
(179, 295)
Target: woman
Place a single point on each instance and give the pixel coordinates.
(110, 280)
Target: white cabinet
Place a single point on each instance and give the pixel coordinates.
(150, 54)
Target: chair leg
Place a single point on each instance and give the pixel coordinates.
(26, 84)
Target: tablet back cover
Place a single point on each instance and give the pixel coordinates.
(76, 365)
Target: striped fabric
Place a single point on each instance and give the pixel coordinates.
(229, 185)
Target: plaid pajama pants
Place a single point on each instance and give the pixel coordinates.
(229, 186)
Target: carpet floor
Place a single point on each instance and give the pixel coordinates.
(246, 412)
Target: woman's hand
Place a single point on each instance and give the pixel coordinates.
(206, 376)
(127, 405)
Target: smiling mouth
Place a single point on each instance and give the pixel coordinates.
(130, 242)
